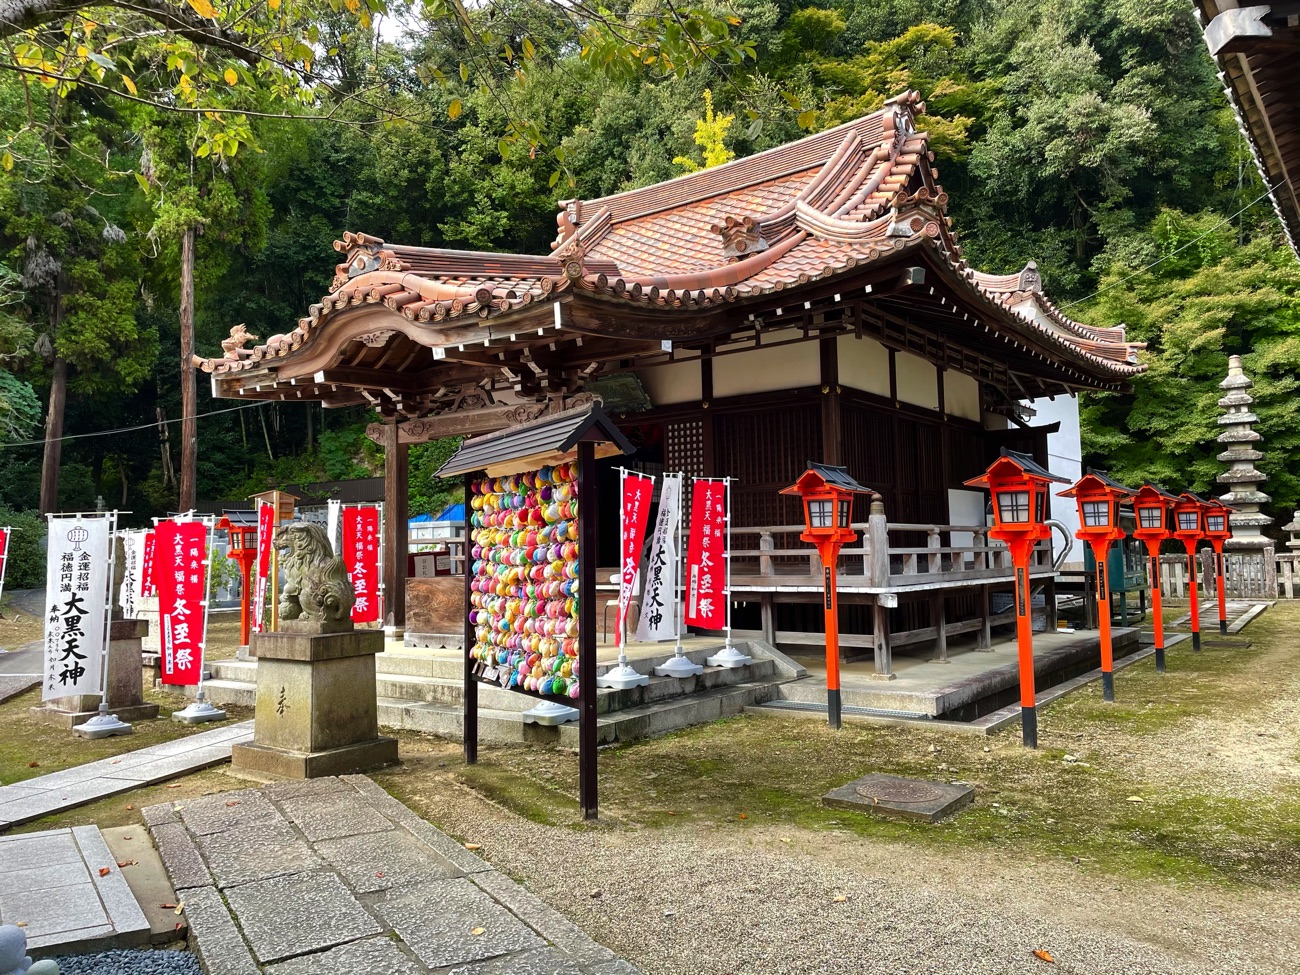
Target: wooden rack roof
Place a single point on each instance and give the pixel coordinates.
(852, 216)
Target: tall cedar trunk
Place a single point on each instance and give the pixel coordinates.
(189, 392)
(54, 436)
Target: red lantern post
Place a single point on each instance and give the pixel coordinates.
(243, 549)
(827, 494)
(1099, 499)
(1189, 520)
(1019, 490)
(1153, 508)
(1218, 531)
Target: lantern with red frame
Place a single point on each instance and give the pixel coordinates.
(242, 532)
(1189, 528)
(1099, 499)
(1154, 506)
(1019, 486)
(827, 494)
(1218, 530)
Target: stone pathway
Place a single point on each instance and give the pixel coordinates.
(82, 784)
(1238, 612)
(333, 875)
(65, 888)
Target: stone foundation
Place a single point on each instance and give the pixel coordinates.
(125, 683)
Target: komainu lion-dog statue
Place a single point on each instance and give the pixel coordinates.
(316, 585)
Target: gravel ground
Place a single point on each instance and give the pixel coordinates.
(711, 902)
(131, 962)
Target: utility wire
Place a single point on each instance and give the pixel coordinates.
(1143, 270)
(142, 426)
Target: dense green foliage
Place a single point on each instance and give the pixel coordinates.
(1089, 136)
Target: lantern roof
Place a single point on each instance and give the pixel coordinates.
(1092, 480)
(237, 518)
(1018, 463)
(1148, 489)
(1191, 497)
(825, 475)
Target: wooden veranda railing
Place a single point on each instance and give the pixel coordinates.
(1249, 575)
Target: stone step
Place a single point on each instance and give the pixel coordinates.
(220, 691)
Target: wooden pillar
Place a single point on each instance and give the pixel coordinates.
(587, 740)
(880, 640)
(189, 393)
(939, 611)
(768, 609)
(469, 721)
(396, 492)
(986, 626)
(832, 423)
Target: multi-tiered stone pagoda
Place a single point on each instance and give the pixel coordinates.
(1243, 481)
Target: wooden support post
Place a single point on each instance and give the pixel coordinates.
(940, 613)
(878, 542)
(765, 544)
(189, 394)
(880, 640)
(396, 512)
(587, 778)
(986, 626)
(470, 719)
(768, 610)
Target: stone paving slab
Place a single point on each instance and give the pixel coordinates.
(51, 882)
(83, 784)
(11, 685)
(335, 876)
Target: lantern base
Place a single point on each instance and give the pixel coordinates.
(1223, 627)
(728, 656)
(550, 713)
(198, 712)
(678, 665)
(1108, 686)
(103, 725)
(1196, 641)
(1160, 660)
(1029, 726)
(621, 678)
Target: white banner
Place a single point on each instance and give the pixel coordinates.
(332, 509)
(132, 566)
(659, 603)
(76, 593)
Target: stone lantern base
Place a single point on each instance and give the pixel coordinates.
(316, 706)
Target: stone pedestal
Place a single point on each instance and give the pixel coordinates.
(316, 705)
(125, 683)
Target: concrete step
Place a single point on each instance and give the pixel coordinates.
(220, 691)
(662, 717)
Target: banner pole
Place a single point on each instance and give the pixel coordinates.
(622, 675)
(729, 656)
(678, 665)
(401, 573)
(103, 724)
(200, 710)
(4, 561)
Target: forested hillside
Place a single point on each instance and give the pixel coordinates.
(1089, 136)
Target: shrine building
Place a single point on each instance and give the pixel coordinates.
(807, 303)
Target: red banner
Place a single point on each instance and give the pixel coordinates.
(181, 558)
(4, 553)
(361, 559)
(148, 582)
(637, 491)
(265, 529)
(706, 556)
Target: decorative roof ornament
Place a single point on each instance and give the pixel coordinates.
(740, 237)
(1242, 478)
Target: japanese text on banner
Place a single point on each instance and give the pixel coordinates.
(361, 560)
(637, 491)
(659, 604)
(148, 581)
(76, 590)
(181, 559)
(706, 556)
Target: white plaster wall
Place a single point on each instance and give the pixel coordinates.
(965, 508)
(677, 382)
(961, 395)
(864, 365)
(766, 370)
(918, 381)
(1065, 459)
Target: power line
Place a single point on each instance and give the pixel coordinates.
(142, 426)
(1143, 270)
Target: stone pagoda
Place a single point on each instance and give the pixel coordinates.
(1243, 480)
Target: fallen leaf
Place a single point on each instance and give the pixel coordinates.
(671, 813)
(743, 816)
(180, 907)
(129, 806)
(1042, 955)
(116, 761)
(104, 871)
(126, 863)
(1135, 799)
(379, 873)
(20, 924)
(33, 764)
(174, 786)
(234, 803)
(785, 839)
(179, 925)
(166, 907)
(477, 931)
(473, 846)
(128, 837)
(839, 898)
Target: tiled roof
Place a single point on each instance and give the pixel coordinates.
(810, 210)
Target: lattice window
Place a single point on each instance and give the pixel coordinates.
(684, 448)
